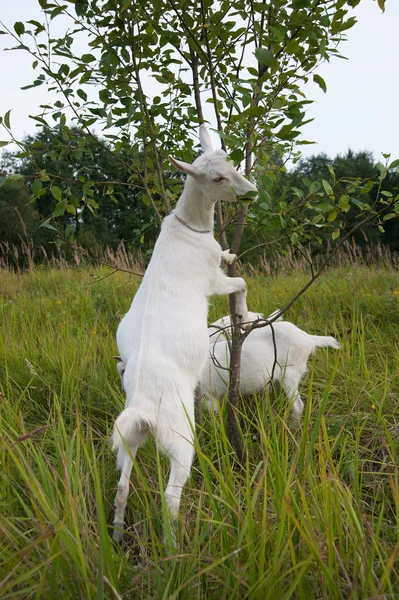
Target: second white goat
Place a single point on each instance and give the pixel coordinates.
(264, 360)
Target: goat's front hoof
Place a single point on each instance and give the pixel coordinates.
(244, 322)
(117, 534)
(229, 258)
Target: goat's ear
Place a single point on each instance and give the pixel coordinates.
(183, 166)
(205, 139)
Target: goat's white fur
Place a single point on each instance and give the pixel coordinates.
(291, 345)
(163, 339)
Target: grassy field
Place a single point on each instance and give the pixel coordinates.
(315, 512)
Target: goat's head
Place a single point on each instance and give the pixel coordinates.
(214, 173)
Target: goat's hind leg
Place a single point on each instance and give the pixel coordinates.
(181, 458)
(290, 387)
(125, 462)
(180, 451)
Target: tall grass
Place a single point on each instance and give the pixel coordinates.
(312, 514)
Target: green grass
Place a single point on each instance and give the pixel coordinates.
(315, 511)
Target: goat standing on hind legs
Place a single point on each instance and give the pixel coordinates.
(163, 339)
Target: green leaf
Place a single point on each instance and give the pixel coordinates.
(298, 192)
(71, 209)
(7, 119)
(335, 234)
(36, 187)
(366, 188)
(87, 58)
(237, 156)
(327, 188)
(320, 81)
(332, 172)
(285, 132)
(58, 11)
(266, 58)
(325, 207)
(390, 216)
(381, 4)
(56, 192)
(74, 200)
(332, 216)
(93, 203)
(81, 7)
(394, 164)
(59, 210)
(344, 202)
(19, 28)
(3, 144)
(294, 238)
(348, 24)
(358, 203)
(82, 94)
(249, 196)
(47, 225)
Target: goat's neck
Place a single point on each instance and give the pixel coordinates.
(194, 208)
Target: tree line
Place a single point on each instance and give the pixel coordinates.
(120, 211)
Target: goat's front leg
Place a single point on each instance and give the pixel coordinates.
(228, 258)
(233, 285)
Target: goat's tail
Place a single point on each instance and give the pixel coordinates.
(322, 341)
(128, 429)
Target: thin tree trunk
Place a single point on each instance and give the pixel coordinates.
(233, 408)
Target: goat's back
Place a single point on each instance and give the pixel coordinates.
(281, 349)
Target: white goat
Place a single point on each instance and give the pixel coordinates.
(263, 360)
(163, 339)
(292, 347)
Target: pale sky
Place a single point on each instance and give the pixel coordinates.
(359, 111)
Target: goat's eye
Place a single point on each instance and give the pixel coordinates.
(219, 179)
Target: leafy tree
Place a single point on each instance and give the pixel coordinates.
(359, 166)
(343, 171)
(113, 213)
(19, 222)
(248, 60)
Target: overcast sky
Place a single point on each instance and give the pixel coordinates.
(359, 111)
